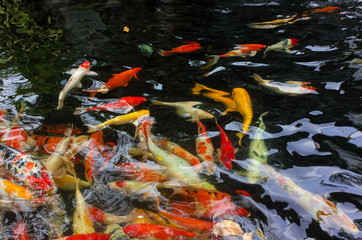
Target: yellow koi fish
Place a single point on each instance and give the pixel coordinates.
(123, 119)
(13, 190)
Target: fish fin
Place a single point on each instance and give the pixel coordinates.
(79, 85)
(163, 53)
(156, 102)
(252, 53)
(212, 59)
(197, 89)
(228, 110)
(60, 172)
(60, 105)
(92, 93)
(92, 128)
(79, 111)
(91, 73)
(136, 77)
(91, 90)
(71, 71)
(192, 103)
(240, 135)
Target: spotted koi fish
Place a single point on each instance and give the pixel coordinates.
(27, 169)
(205, 149)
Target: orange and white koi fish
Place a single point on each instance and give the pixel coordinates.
(242, 103)
(185, 109)
(124, 105)
(292, 88)
(123, 119)
(325, 9)
(90, 236)
(154, 231)
(182, 153)
(226, 153)
(13, 190)
(244, 50)
(106, 218)
(190, 47)
(273, 24)
(74, 81)
(282, 46)
(94, 155)
(118, 80)
(142, 172)
(27, 169)
(215, 94)
(20, 232)
(17, 138)
(135, 187)
(205, 149)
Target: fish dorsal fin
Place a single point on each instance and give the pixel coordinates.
(91, 73)
(71, 71)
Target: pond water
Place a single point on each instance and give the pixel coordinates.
(313, 139)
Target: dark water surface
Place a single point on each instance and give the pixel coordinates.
(313, 139)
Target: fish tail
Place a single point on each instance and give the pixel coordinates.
(240, 135)
(257, 78)
(212, 59)
(156, 102)
(79, 111)
(60, 105)
(92, 93)
(197, 89)
(164, 53)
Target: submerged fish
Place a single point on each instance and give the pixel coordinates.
(292, 88)
(189, 47)
(155, 231)
(273, 24)
(282, 46)
(185, 109)
(205, 149)
(226, 152)
(74, 81)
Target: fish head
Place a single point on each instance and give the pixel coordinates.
(293, 41)
(135, 71)
(85, 65)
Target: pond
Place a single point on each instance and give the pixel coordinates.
(304, 183)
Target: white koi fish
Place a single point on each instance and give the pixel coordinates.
(292, 88)
(74, 81)
(282, 46)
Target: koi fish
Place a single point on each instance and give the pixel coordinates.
(124, 105)
(134, 187)
(292, 88)
(190, 47)
(123, 119)
(58, 128)
(68, 182)
(242, 103)
(46, 144)
(10, 189)
(215, 94)
(182, 153)
(205, 149)
(207, 204)
(20, 232)
(148, 231)
(226, 154)
(118, 80)
(90, 236)
(185, 109)
(273, 24)
(94, 155)
(282, 46)
(17, 138)
(74, 81)
(142, 172)
(105, 218)
(244, 50)
(325, 9)
(27, 169)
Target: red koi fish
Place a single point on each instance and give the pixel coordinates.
(190, 47)
(20, 232)
(46, 144)
(105, 218)
(58, 128)
(17, 138)
(325, 9)
(226, 154)
(94, 155)
(148, 231)
(179, 151)
(124, 105)
(74, 81)
(141, 172)
(90, 236)
(207, 204)
(205, 149)
(118, 80)
(27, 169)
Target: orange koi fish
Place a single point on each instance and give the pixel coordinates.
(124, 105)
(205, 149)
(155, 231)
(118, 80)
(142, 172)
(282, 46)
(17, 138)
(292, 88)
(94, 155)
(190, 47)
(74, 81)
(215, 94)
(242, 103)
(273, 24)
(27, 169)
(90, 236)
(226, 154)
(207, 204)
(58, 128)
(46, 144)
(20, 232)
(325, 9)
(179, 151)
(14, 190)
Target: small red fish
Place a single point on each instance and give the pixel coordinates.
(124, 105)
(58, 128)
(118, 80)
(227, 154)
(244, 50)
(148, 231)
(20, 232)
(190, 47)
(89, 236)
